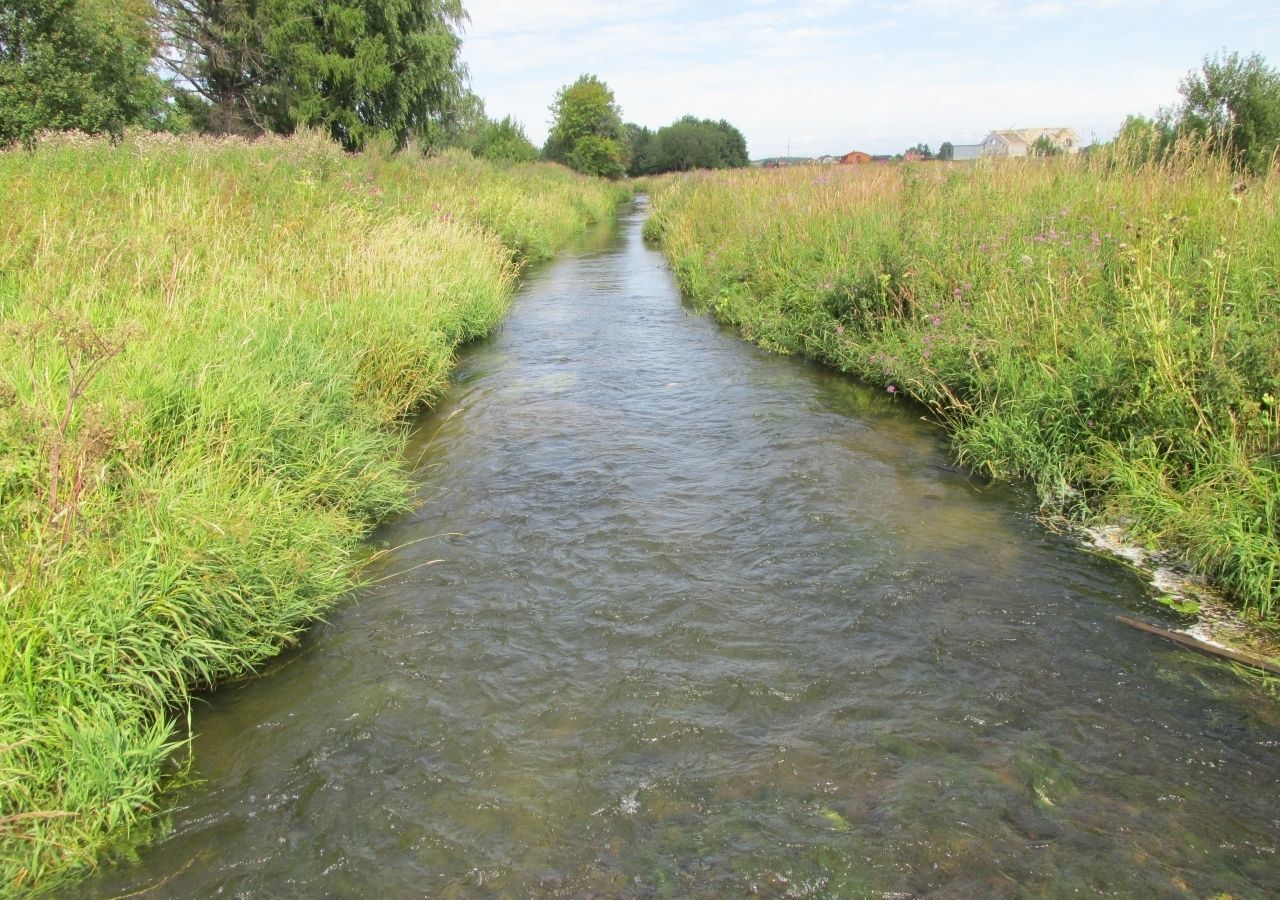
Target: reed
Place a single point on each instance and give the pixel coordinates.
(208, 352)
(1107, 328)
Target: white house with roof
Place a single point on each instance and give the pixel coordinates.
(1018, 141)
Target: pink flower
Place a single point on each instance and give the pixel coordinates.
(892, 389)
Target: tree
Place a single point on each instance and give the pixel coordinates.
(504, 142)
(586, 129)
(691, 143)
(216, 51)
(1236, 103)
(81, 64)
(639, 140)
(1141, 139)
(919, 151)
(353, 67)
(947, 151)
(1044, 146)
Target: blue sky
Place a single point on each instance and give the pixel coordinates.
(829, 76)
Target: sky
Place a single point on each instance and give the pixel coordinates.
(830, 76)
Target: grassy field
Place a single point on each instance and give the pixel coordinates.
(207, 353)
(1108, 329)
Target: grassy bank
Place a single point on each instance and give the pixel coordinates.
(1110, 331)
(207, 353)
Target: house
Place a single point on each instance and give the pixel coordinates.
(827, 160)
(855, 158)
(1013, 142)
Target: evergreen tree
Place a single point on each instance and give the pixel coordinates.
(353, 67)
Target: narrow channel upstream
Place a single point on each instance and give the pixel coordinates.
(708, 622)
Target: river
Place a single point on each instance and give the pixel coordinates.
(680, 618)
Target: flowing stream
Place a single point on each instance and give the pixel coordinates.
(708, 622)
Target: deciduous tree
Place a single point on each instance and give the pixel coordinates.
(586, 129)
(80, 64)
(1236, 101)
(692, 143)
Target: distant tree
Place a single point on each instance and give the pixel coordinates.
(505, 142)
(922, 150)
(1236, 102)
(462, 123)
(353, 67)
(1044, 146)
(692, 143)
(639, 141)
(595, 154)
(586, 129)
(80, 64)
(947, 151)
(1140, 139)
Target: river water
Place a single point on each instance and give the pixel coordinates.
(707, 622)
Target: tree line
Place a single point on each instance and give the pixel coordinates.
(589, 135)
(357, 69)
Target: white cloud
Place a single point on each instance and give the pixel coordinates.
(831, 75)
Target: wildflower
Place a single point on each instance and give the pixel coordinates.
(935, 321)
(892, 389)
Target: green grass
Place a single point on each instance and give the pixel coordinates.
(1108, 329)
(207, 355)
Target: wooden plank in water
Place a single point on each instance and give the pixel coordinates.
(1187, 640)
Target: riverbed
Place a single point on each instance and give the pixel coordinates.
(680, 618)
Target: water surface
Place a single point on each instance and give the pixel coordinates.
(707, 622)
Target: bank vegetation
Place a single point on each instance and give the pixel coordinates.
(208, 353)
(1108, 327)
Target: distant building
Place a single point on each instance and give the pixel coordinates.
(1013, 142)
(966, 151)
(827, 160)
(857, 157)
(914, 156)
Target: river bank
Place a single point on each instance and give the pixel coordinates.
(1104, 329)
(209, 351)
(677, 617)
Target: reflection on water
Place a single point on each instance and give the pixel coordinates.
(709, 622)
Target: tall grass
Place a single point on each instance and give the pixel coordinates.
(207, 353)
(1108, 329)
